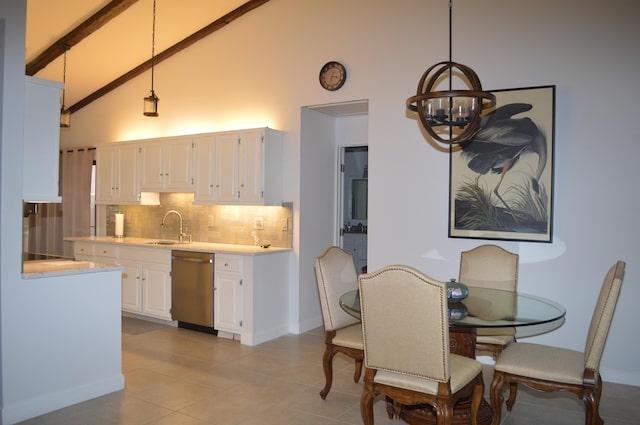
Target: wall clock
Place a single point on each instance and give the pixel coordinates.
(333, 75)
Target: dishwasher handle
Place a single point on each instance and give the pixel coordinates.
(193, 260)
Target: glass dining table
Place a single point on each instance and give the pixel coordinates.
(482, 308)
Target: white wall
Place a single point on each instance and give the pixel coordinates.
(264, 67)
(55, 349)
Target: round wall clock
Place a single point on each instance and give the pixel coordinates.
(333, 75)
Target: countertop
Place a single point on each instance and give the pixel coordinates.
(48, 268)
(221, 248)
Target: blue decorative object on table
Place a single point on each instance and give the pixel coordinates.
(457, 310)
(456, 290)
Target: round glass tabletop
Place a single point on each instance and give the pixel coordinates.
(486, 308)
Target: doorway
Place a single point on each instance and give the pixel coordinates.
(353, 203)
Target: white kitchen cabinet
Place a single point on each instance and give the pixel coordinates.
(146, 278)
(131, 286)
(204, 157)
(41, 140)
(167, 165)
(117, 179)
(241, 167)
(227, 295)
(83, 251)
(146, 288)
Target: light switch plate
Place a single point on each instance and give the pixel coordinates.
(258, 223)
(284, 224)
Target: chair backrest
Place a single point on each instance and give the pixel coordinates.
(603, 315)
(404, 322)
(489, 266)
(335, 275)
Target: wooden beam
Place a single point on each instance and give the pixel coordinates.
(179, 46)
(79, 33)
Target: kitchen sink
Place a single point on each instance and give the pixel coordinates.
(163, 243)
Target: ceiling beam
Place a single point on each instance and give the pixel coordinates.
(165, 54)
(79, 33)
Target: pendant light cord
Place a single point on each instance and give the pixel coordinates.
(153, 43)
(64, 75)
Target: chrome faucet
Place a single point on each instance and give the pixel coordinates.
(182, 234)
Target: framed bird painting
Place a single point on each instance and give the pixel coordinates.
(501, 181)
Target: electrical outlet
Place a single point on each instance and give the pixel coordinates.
(211, 221)
(284, 224)
(258, 223)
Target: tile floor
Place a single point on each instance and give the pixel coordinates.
(180, 377)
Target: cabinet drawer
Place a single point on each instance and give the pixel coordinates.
(229, 264)
(81, 248)
(146, 255)
(104, 250)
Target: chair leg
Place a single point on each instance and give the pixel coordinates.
(327, 365)
(366, 407)
(358, 372)
(476, 399)
(496, 396)
(513, 392)
(592, 405)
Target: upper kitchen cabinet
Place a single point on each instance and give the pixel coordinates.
(167, 165)
(239, 167)
(41, 140)
(117, 179)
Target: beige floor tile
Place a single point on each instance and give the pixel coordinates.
(180, 377)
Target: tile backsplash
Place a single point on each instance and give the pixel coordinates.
(206, 223)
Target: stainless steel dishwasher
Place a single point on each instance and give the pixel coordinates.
(192, 290)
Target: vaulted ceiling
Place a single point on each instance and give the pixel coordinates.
(109, 41)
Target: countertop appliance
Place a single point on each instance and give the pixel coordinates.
(192, 290)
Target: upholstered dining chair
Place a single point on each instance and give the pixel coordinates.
(548, 368)
(490, 266)
(406, 346)
(335, 275)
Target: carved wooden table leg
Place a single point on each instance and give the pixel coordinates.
(462, 341)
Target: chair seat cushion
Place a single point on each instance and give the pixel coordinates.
(494, 339)
(351, 336)
(542, 362)
(463, 370)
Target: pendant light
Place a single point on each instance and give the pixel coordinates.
(65, 114)
(458, 110)
(151, 102)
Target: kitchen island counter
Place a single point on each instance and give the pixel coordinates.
(218, 248)
(48, 268)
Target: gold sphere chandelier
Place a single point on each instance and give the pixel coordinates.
(457, 110)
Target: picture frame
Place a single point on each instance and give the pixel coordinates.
(501, 181)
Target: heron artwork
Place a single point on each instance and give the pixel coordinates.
(505, 138)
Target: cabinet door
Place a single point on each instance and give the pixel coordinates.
(41, 140)
(106, 170)
(227, 310)
(156, 290)
(226, 169)
(204, 169)
(178, 165)
(131, 287)
(251, 167)
(128, 178)
(151, 166)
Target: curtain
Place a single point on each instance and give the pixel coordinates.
(75, 167)
(44, 231)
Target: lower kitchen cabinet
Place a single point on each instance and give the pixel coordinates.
(146, 281)
(131, 287)
(227, 299)
(251, 296)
